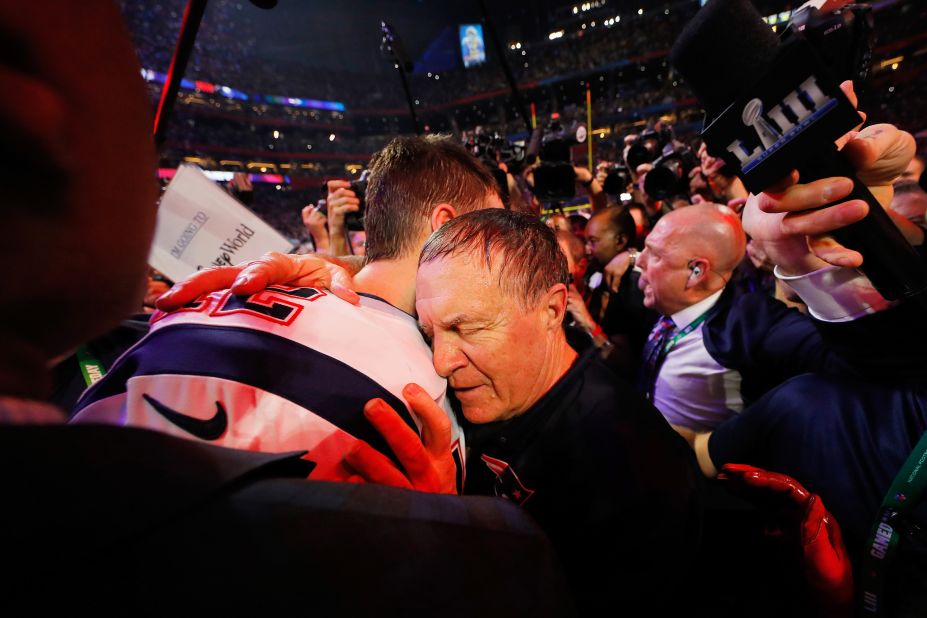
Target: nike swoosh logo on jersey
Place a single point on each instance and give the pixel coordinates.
(204, 429)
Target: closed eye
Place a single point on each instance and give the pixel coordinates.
(427, 333)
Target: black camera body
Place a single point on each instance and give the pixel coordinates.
(670, 173)
(617, 180)
(354, 221)
(554, 177)
(843, 38)
(649, 146)
(493, 150)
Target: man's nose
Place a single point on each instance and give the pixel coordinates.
(447, 355)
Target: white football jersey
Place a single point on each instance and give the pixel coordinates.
(286, 369)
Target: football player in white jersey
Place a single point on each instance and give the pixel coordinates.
(291, 368)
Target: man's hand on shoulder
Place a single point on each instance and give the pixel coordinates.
(252, 277)
(428, 462)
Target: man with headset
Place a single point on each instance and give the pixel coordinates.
(687, 261)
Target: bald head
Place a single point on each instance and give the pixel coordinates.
(711, 231)
(690, 255)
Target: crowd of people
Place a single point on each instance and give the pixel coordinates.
(647, 399)
(228, 133)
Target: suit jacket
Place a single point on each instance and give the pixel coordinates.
(769, 343)
(764, 340)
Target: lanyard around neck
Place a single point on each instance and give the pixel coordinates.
(685, 331)
(91, 368)
(905, 493)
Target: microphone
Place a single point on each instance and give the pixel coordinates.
(772, 105)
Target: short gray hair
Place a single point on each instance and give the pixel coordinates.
(529, 259)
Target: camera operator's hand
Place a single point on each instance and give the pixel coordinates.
(697, 180)
(252, 277)
(597, 198)
(583, 175)
(709, 165)
(528, 174)
(729, 188)
(316, 223)
(341, 201)
(793, 233)
(601, 171)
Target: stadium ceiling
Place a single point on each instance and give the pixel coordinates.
(344, 35)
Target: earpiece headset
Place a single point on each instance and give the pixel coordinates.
(695, 268)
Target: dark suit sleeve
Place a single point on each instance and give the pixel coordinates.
(885, 345)
(767, 343)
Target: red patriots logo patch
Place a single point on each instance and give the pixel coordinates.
(508, 485)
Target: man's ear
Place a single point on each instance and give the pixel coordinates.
(554, 305)
(441, 214)
(699, 268)
(621, 241)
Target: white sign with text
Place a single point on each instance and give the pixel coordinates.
(200, 225)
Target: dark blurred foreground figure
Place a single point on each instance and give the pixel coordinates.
(120, 521)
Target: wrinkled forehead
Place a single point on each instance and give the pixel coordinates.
(463, 267)
(461, 278)
(457, 290)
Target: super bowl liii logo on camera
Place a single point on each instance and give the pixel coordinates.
(777, 126)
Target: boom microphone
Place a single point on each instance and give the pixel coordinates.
(772, 106)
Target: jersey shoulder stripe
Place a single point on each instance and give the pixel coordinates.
(312, 380)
